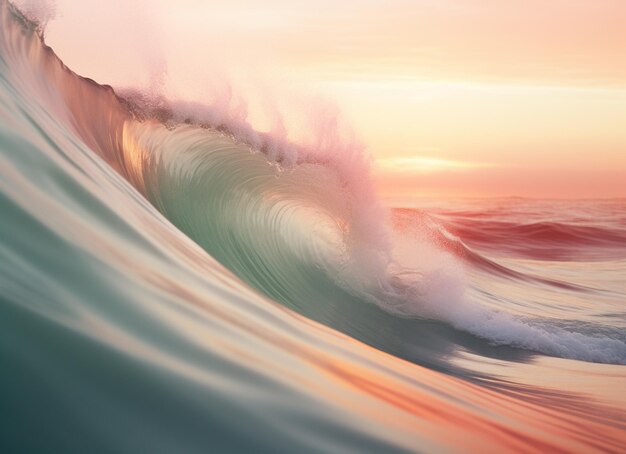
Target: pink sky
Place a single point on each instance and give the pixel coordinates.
(471, 97)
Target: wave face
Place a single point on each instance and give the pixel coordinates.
(176, 284)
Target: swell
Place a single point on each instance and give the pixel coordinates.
(544, 240)
(300, 224)
(450, 239)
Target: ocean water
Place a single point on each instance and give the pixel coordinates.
(169, 283)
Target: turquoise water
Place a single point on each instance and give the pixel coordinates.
(172, 287)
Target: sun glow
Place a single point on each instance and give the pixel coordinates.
(420, 164)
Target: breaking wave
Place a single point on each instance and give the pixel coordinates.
(166, 268)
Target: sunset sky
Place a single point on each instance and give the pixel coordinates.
(451, 97)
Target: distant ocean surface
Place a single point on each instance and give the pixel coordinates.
(173, 284)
